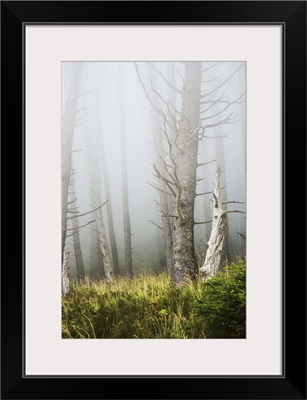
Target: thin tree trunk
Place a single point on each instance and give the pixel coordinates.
(220, 160)
(96, 259)
(102, 238)
(110, 213)
(68, 127)
(185, 264)
(207, 203)
(126, 214)
(164, 199)
(96, 197)
(76, 236)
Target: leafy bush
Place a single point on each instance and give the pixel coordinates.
(222, 305)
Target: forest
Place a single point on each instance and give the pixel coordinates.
(153, 166)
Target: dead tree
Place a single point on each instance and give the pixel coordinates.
(96, 258)
(215, 106)
(182, 131)
(125, 194)
(181, 134)
(165, 200)
(112, 236)
(68, 127)
(215, 244)
(75, 225)
(102, 238)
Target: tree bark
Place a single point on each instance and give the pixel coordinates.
(65, 273)
(220, 160)
(76, 236)
(102, 238)
(112, 236)
(68, 127)
(164, 199)
(96, 259)
(96, 197)
(126, 214)
(217, 237)
(186, 147)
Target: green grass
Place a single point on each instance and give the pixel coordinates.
(150, 306)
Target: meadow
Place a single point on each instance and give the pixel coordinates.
(151, 306)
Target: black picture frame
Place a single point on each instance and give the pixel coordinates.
(292, 16)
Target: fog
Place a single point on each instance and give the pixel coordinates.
(111, 98)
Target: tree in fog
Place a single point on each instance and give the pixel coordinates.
(182, 131)
(165, 199)
(97, 132)
(179, 171)
(217, 237)
(73, 216)
(68, 127)
(112, 236)
(125, 193)
(96, 258)
(184, 165)
(215, 117)
(96, 199)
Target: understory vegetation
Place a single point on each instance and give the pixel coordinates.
(150, 306)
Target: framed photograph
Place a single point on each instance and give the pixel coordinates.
(163, 150)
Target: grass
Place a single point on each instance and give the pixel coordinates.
(148, 306)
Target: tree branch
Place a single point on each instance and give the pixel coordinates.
(155, 224)
(164, 79)
(160, 190)
(206, 163)
(212, 66)
(223, 83)
(233, 211)
(88, 212)
(202, 194)
(233, 202)
(81, 226)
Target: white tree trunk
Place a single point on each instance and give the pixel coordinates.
(217, 237)
(165, 201)
(102, 238)
(96, 196)
(68, 127)
(185, 159)
(76, 235)
(126, 213)
(65, 273)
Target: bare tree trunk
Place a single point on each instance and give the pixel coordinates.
(65, 273)
(96, 197)
(76, 236)
(68, 127)
(215, 245)
(164, 199)
(102, 238)
(96, 259)
(179, 170)
(110, 213)
(185, 160)
(220, 160)
(216, 241)
(126, 214)
(207, 205)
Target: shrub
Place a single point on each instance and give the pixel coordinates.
(222, 305)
